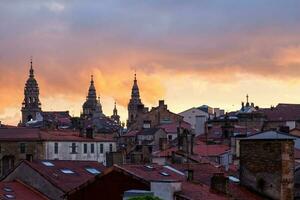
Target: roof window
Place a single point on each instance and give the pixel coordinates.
(10, 196)
(149, 166)
(164, 173)
(7, 189)
(67, 171)
(92, 170)
(48, 164)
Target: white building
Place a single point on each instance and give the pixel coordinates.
(66, 146)
(196, 118)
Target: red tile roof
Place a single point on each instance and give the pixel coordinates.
(202, 171)
(153, 174)
(31, 134)
(16, 134)
(130, 133)
(239, 192)
(194, 191)
(203, 149)
(172, 128)
(74, 136)
(20, 191)
(63, 181)
(282, 112)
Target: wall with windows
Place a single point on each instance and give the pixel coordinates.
(91, 151)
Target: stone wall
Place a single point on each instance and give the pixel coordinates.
(267, 166)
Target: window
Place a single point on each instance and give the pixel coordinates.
(110, 147)
(10, 196)
(101, 148)
(8, 189)
(164, 173)
(92, 170)
(48, 164)
(170, 137)
(22, 148)
(55, 148)
(73, 148)
(92, 148)
(67, 171)
(84, 148)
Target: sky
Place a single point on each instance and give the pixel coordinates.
(188, 53)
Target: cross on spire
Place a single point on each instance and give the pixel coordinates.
(31, 71)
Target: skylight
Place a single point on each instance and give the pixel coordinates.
(48, 164)
(149, 167)
(92, 170)
(67, 171)
(9, 196)
(164, 173)
(8, 189)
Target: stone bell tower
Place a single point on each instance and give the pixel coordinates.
(31, 105)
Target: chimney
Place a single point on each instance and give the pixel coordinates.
(219, 183)
(161, 103)
(190, 175)
(90, 133)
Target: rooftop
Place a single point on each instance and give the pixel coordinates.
(270, 135)
(31, 134)
(282, 112)
(18, 190)
(152, 172)
(66, 175)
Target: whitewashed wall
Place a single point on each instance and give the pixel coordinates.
(65, 153)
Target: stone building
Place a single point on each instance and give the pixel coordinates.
(155, 117)
(32, 114)
(115, 115)
(18, 144)
(267, 164)
(135, 105)
(92, 106)
(92, 117)
(31, 106)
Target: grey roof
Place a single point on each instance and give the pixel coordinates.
(269, 135)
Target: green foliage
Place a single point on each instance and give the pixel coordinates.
(145, 198)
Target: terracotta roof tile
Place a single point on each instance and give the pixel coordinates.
(194, 191)
(66, 181)
(152, 173)
(19, 191)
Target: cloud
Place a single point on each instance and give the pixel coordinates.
(55, 7)
(171, 44)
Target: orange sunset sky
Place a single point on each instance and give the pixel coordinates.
(189, 53)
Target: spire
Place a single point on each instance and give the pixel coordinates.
(115, 111)
(247, 98)
(135, 93)
(92, 90)
(31, 71)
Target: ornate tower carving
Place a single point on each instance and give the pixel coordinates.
(115, 115)
(135, 104)
(31, 105)
(92, 106)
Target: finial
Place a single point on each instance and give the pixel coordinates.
(31, 72)
(30, 62)
(247, 96)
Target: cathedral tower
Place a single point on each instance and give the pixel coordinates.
(31, 105)
(92, 105)
(115, 115)
(135, 104)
